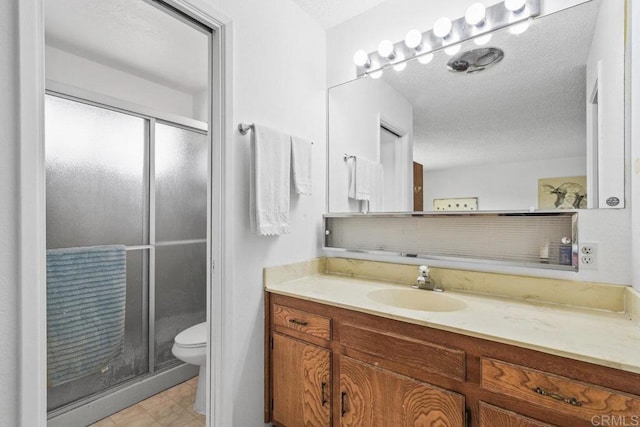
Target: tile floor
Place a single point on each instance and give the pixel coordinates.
(172, 407)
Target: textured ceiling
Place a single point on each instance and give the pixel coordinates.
(531, 105)
(132, 36)
(329, 13)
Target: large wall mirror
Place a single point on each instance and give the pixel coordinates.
(540, 128)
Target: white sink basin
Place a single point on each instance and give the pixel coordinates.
(416, 299)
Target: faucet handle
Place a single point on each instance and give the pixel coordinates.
(424, 271)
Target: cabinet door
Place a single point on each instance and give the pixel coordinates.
(300, 379)
(370, 397)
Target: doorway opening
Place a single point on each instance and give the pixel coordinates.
(131, 142)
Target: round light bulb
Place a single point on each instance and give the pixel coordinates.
(385, 49)
(482, 40)
(515, 6)
(452, 50)
(476, 14)
(361, 58)
(425, 59)
(520, 27)
(399, 66)
(442, 27)
(413, 39)
(378, 71)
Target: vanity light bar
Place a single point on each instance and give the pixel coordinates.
(500, 15)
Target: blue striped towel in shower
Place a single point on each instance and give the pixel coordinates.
(86, 295)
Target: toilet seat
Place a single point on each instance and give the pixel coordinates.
(193, 337)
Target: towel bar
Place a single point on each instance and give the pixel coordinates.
(243, 128)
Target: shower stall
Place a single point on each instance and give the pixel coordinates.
(128, 144)
(118, 177)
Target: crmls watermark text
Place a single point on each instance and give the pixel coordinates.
(615, 420)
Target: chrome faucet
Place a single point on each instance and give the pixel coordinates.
(425, 282)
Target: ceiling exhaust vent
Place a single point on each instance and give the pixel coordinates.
(476, 60)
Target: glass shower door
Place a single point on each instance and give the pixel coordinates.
(180, 234)
(97, 187)
(118, 179)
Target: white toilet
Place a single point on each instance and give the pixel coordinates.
(190, 346)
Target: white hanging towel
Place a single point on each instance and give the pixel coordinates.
(271, 181)
(376, 203)
(351, 172)
(301, 165)
(364, 178)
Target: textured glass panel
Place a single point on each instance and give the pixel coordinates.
(135, 359)
(181, 184)
(95, 175)
(180, 294)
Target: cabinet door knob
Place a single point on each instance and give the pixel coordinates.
(324, 396)
(298, 322)
(570, 400)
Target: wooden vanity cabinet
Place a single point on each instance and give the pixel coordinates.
(331, 366)
(316, 379)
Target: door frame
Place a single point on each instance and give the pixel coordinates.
(31, 321)
(404, 157)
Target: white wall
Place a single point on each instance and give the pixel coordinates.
(9, 219)
(73, 70)
(635, 142)
(391, 20)
(279, 80)
(511, 186)
(605, 71)
(356, 110)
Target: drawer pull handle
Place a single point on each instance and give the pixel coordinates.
(570, 400)
(343, 403)
(298, 322)
(324, 396)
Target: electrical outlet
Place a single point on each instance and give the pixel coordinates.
(586, 259)
(589, 255)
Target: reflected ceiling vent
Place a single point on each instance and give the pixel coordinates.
(476, 60)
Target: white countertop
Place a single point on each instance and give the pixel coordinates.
(595, 336)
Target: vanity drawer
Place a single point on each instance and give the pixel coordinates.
(405, 351)
(578, 399)
(492, 416)
(301, 321)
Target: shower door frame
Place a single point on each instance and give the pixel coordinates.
(31, 322)
(150, 118)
